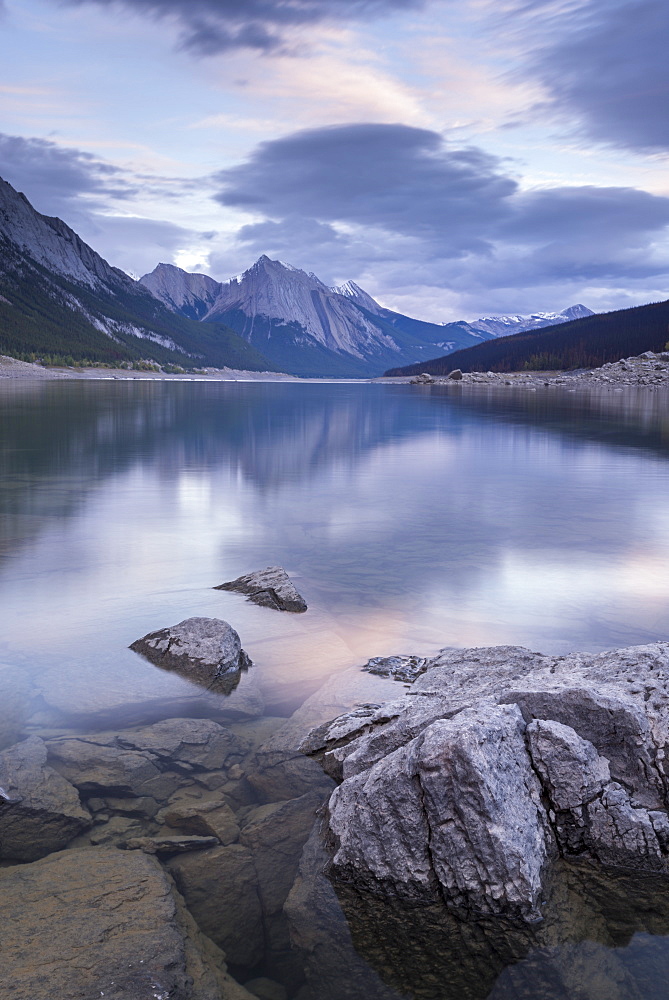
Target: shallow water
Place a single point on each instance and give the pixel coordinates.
(409, 518)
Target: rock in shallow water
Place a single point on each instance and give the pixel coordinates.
(206, 650)
(270, 587)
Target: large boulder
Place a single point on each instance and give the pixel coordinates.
(40, 811)
(96, 923)
(494, 764)
(456, 813)
(270, 587)
(206, 650)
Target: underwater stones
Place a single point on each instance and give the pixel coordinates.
(166, 846)
(220, 887)
(196, 743)
(205, 650)
(270, 588)
(123, 931)
(212, 818)
(40, 811)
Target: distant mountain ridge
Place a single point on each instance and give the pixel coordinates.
(58, 297)
(586, 342)
(309, 328)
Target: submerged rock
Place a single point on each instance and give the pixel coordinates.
(206, 650)
(220, 887)
(496, 763)
(123, 932)
(169, 845)
(40, 811)
(270, 587)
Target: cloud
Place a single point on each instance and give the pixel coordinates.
(408, 209)
(604, 65)
(405, 180)
(56, 177)
(213, 26)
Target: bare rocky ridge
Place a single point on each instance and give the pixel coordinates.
(270, 588)
(496, 763)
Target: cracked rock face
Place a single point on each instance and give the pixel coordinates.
(270, 587)
(496, 763)
(205, 650)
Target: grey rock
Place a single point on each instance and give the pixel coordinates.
(616, 726)
(456, 375)
(422, 379)
(594, 751)
(221, 891)
(166, 846)
(206, 650)
(198, 743)
(40, 811)
(270, 587)
(570, 769)
(124, 931)
(209, 818)
(456, 814)
(401, 668)
(276, 833)
(100, 769)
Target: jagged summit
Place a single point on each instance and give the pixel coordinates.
(58, 297)
(51, 242)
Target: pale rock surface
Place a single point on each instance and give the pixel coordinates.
(455, 813)
(270, 587)
(442, 794)
(122, 931)
(40, 811)
(206, 650)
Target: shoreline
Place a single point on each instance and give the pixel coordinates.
(648, 370)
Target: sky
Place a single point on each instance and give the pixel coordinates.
(455, 158)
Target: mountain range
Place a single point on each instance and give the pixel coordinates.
(61, 300)
(309, 328)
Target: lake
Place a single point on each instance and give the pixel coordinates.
(410, 518)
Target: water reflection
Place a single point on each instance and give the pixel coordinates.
(411, 519)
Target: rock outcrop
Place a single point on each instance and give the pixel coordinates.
(100, 923)
(40, 811)
(495, 764)
(270, 587)
(206, 650)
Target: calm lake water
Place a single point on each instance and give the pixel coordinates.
(410, 518)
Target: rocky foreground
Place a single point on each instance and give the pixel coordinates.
(648, 369)
(495, 763)
(499, 822)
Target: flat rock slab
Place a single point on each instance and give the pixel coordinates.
(205, 650)
(270, 587)
(92, 923)
(40, 811)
